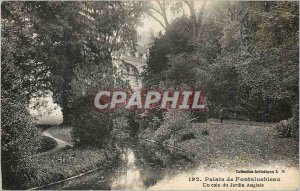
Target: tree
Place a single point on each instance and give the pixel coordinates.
(267, 65)
(44, 46)
(160, 8)
(196, 19)
(179, 39)
(112, 30)
(61, 36)
(247, 50)
(19, 137)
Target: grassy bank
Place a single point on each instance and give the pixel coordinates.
(64, 164)
(230, 145)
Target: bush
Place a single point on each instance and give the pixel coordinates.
(205, 132)
(176, 120)
(19, 140)
(120, 128)
(151, 118)
(162, 133)
(90, 127)
(46, 144)
(173, 122)
(283, 128)
(200, 116)
(188, 136)
(133, 124)
(19, 137)
(290, 127)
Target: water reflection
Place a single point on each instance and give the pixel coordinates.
(140, 167)
(128, 176)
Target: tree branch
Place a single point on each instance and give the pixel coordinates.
(156, 10)
(163, 13)
(155, 18)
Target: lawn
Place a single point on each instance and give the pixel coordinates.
(232, 145)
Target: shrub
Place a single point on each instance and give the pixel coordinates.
(290, 127)
(176, 120)
(162, 133)
(283, 128)
(19, 140)
(120, 128)
(205, 132)
(188, 136)
(133, 124)
(151, 118)
(90, 127)
(46, 144)
(19, 137)
(173, 121)
(294, 122)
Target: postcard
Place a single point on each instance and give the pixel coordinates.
(150, 95)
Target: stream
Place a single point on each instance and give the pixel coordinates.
(140, 166)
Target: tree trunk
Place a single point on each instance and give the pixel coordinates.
(65, 87)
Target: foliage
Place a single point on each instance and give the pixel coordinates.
(19, 140)
(19, 137)
(62, 165)
(174, 41)
(266, 66)
(173, 122)
(46, 46)
(47, 143)
(60, 37)
(245, 57)
(90, 126)
(120, 127)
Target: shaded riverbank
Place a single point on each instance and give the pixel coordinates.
(64, 164)
(64, 161)
(150, 166)
(141, 164)
(74, 168)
